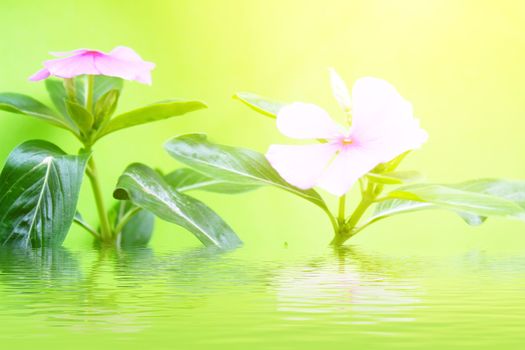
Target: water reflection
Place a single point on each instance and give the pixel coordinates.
(210, 297)
(358, 288)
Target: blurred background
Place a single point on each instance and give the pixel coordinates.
(459, 62)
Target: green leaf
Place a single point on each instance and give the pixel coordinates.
(57, 92)
(232, 164)
(39, 189)
(105, 107)
(138, 230)
(104, 84)
(393, 207)
(460, 198)
(101, 86)
(395, 177)
(80, 115)
(513, 190)
(22, 104)
(151, 113)
(186, 179)
(146, 189)
(494, 195)
(259, 104)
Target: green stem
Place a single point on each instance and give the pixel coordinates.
(125, 219)
(69, 86)
(105, 228)
(87, 227)
(342, 204)
(90, 82)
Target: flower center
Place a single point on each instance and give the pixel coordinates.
(346, 141)
(92, 53)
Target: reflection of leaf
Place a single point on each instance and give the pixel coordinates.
(32, 268)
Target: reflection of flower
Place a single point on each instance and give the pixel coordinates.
(383, 127)
(358, 297)
(121, 62)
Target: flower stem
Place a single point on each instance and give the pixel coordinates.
(90, 82)
(341, 215)
(105, 228)
(347, 229)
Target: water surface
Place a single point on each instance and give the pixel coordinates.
(201, 298)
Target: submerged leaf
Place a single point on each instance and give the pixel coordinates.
(39, 189)
(146, 189)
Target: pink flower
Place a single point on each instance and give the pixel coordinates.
(382, 128)
(121, 62)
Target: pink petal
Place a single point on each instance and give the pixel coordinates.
(306, 121)
(73, 53)
(40, 75)
(128, 54)
(403, 137)
(129, 70)
(301, 165)
(383, 121)
(377, 107)
(70, 67)
(349, 165)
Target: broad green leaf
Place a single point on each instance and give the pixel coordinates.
(147, 189)
(22, 104)
(393, 207)
(81, 116)
(39, 189)
(496, 191)
(232, 164)
(139, 230)
(458, 199)
(151, 113)
(259, 104)
(395, 177)
(513, 190)
(186, 179)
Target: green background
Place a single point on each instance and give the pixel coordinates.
(459, 62)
